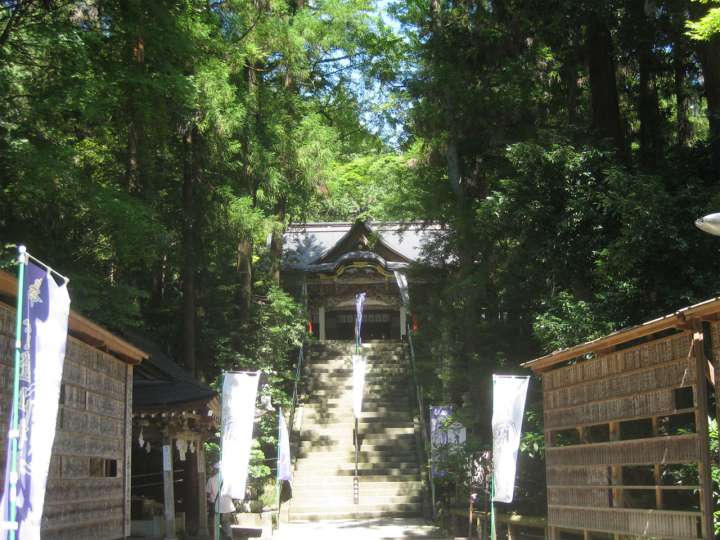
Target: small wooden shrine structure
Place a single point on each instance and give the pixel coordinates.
(327, 264)
(626, 429)
(173, 415)
(88, 487)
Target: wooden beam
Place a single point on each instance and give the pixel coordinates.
(656, 470)
(701, 426)
(168, 489)
(680, 319)
(127, 462)
(616, 470)
(203, 531)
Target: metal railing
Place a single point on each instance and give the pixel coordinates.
(298, 374)
(421, 416)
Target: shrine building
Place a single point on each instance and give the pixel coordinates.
(327, 264)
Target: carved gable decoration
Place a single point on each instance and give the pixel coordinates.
(362, 238)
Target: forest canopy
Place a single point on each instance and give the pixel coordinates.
(156, 151)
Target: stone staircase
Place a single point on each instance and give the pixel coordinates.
(390, 480)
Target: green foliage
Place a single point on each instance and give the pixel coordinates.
(566, 321)
(707, 26)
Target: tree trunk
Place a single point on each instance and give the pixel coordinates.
(276, 242)
(606, 119)
(569, 75)
(707, 52)
(132, 167)
(188, 268)
(682, 122)
(245, 271)
(710, 62)
(648, 102)
(192, 490)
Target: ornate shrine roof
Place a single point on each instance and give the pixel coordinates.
(326, 247)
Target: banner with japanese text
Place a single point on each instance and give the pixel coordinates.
(509, 394)
(45, 312)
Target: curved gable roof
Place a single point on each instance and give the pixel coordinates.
(313, 244)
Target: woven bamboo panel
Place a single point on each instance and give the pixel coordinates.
(672, 375)
(108, 529)
(91, 424)
(577, 476)
(641, 356)
(592, 498)
(7, 322)
(70, 490)
(82, 422)
(715, 336)
(675, 449)
(658, 523)
(639, 406)
(87, 445)
(56, 517)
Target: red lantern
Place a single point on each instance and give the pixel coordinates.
(415, 324)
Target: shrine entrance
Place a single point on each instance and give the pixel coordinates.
(381, 324)
(326, 265)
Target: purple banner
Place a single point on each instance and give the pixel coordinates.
(359, 303)
(45, 310)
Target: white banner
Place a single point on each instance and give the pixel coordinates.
(508, 408)
(402, 284)
(284, 463)
(238, 413)
(359, 365)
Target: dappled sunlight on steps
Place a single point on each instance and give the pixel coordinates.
(390, 481)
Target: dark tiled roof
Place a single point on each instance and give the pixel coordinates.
(160, 383)
(308, 246)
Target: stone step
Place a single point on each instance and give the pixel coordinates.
(338, 395)
(332, 363)
(370, 377)
(367, 499)
(369, 355)
(368, 529)
(349, 455)
(344, 370)
(312, 410)
(397, 403)
(353, 512)
(345, 360)
(342, 482)
(364, 469)
(347, 384)
(342, 429)
(368, 425)
(395, 475)
(349, 345)
(367, 446)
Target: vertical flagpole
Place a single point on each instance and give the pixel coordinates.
(356, 480)
(14, 425)
(492, 506)
(492, 479)
(216, 520)
(277, 464)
